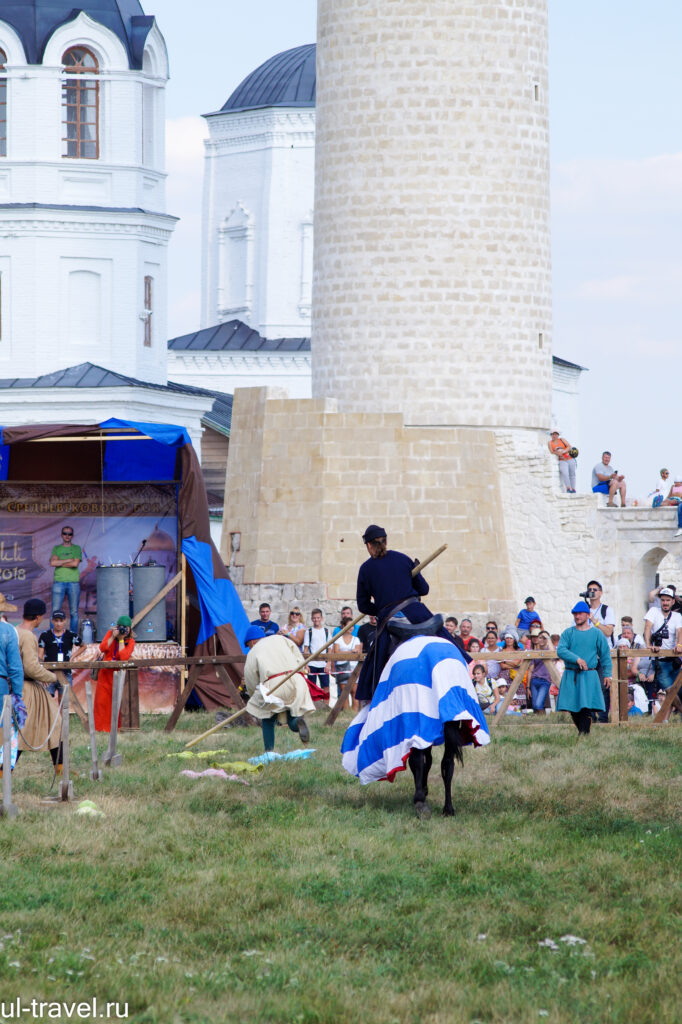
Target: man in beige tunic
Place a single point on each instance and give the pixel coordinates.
(43, 726)
(269, 660)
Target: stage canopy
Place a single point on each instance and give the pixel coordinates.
(124, 451)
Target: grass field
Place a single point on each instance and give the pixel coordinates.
(305, 897)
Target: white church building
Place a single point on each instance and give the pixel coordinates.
(84, 229)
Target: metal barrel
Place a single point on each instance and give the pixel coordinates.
(113, 597)
(148, 580)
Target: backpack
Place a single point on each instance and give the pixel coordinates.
(308, 637)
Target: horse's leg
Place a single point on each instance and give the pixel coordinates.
(428, 761)
(417, 760)
(452, 750)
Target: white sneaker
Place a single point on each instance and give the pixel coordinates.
(679, 533)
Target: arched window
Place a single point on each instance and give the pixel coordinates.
(80, 104)
(3, 104)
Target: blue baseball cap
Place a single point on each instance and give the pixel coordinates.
(254, 633)
(581, 606)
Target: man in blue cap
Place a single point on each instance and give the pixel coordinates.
(269, 660)
(586, 655)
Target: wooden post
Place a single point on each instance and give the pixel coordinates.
(183, 621)
(9, 810)
(60, 674)
(670, 696)
(111, 758)
(511, 692)
(66, 785)
(96, 771)
(182, 699)
(343, 696)
(623, 685)
(614, 711)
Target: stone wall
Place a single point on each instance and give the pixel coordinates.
(304, 480)
(432, 245)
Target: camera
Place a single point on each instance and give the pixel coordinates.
(659, 636)
(587, 594)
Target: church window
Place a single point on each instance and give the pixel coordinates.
(148, 312)
(80, 104)
(3, 104)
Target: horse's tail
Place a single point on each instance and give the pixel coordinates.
(453, 741)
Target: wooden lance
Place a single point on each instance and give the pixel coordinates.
(311, 657)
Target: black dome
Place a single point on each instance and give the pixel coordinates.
(36, 20)
(286, 80)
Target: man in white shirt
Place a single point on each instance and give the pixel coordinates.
(603, 618)
(663, 632)
(601, 615)
(314, 638)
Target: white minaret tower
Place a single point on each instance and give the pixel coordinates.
(432, 240)
(83, 227)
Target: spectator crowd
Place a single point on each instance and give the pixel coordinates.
(606, 480)
(493, 674)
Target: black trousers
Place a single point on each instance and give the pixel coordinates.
(582, 720)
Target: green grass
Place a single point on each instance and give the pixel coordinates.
(306, 897)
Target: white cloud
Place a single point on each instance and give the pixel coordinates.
(652, 185)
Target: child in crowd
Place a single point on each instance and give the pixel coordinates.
(486, 690)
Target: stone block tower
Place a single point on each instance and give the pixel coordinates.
(431, 334)
(432, 243)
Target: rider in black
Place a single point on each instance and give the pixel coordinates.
(386, 586)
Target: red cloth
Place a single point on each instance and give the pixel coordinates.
(104, 688)
(316, 694)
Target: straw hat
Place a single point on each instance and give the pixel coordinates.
(5, 606)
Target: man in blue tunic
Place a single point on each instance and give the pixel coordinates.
(386, 586)
(586, 654)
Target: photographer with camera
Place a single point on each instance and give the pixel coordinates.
(117, 645)
(663, 632)
(603, 618)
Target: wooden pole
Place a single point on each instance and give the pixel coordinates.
(311, 657)
(511, 692)
(614, 710)
(343, 696)
(670, 696)
(183, 618)
(9, 810)
(182, 699)
(74, 699)
(66, 785)
(96, 771)
(111, 758)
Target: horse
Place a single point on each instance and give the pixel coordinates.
(424, 698)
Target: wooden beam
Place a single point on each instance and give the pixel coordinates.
(511, 692)
(343, 696)
(159, 597)
(670, 696)
(182, 699)
(206, 659)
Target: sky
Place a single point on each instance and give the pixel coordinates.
(616, 152)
